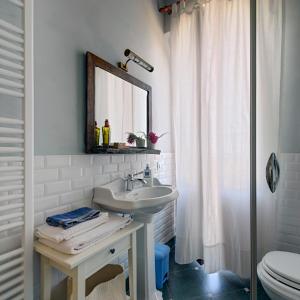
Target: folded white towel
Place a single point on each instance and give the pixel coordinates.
(58, 234)
(88, 239)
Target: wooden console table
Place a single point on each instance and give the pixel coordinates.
(81, 266)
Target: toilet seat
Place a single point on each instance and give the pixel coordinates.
(284, 267)
(279, 273)
(274, 288)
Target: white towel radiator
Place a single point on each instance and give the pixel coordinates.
(16, 149)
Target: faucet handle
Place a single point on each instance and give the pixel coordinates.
(130, 176)
(127, 177)
(138, 173)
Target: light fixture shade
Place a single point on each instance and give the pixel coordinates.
(137, 59)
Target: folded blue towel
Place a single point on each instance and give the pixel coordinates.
(73, 217)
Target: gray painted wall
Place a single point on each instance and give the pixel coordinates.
(290, 100)
(64, 31)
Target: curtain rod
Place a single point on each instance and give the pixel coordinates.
(167, 9)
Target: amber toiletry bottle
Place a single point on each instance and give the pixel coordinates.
(97, 134)
(106, 134)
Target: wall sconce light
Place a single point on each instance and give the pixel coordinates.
(135, 58)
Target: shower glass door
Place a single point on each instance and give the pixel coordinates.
(277, 135)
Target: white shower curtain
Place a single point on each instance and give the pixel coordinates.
(210, 48)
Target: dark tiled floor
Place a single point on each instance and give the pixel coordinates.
(190, 282)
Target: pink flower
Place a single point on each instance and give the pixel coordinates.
(153, 137)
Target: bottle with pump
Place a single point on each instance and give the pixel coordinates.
(106, 134)
(148, 175)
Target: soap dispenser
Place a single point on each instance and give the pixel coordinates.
(148, 175)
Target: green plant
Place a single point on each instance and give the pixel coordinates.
(133, 138)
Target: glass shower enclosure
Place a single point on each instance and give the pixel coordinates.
(275, 147)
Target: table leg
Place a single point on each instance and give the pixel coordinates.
(132, 268)
(78, 284)
(46, 279)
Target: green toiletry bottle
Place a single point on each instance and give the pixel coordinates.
(97, 134)
(106, 134)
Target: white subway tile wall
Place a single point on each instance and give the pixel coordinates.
(289, 203)
(66, 182)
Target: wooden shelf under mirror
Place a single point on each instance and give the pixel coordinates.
(130, 150)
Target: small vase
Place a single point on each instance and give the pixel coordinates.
(140, 143)
(150, 145)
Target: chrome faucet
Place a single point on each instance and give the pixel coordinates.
(131, 180)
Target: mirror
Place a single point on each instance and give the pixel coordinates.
(117, 96)
(122, 103)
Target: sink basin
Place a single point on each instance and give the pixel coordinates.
(144, 199)
(149, 192)
(143, 202)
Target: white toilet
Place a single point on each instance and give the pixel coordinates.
(279, 273)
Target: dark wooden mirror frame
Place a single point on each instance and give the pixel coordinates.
(93, 61)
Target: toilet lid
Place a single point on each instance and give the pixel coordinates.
(283, 266)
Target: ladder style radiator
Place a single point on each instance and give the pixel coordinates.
(16, 149)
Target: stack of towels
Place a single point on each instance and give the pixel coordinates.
(77, 230)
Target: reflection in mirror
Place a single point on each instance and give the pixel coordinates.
(122, 103)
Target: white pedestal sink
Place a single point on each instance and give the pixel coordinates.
(143, 202)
